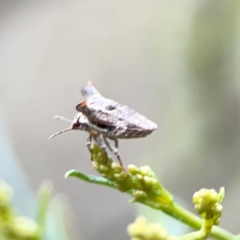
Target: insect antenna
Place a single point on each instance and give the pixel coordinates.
(57, 117)
(60, 132)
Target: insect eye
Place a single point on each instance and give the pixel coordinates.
(110, 107)
(76, 124)
(80, 106)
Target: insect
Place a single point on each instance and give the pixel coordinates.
(120, 120)
(106, 119)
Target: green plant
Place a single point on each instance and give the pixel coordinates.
(142, 184)
(14, 226)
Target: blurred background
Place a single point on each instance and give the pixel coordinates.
(176, 62)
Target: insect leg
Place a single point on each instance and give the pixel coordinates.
(116, 143)
(108, 145)
(114, 149)
(88, 144)
(102, 145)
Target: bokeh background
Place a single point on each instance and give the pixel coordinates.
(176, 62)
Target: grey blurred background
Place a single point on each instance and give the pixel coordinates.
(176, 62)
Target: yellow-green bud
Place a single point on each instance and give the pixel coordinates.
(148, 181)
(103, 168)
(139, 176)
(145, 170)
(133, 169)
(116, 167)
(6, 194)
(207, 204)
(142, 229)
(24, 228)
(95, 164)
(138, 194)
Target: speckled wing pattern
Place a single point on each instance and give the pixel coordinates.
(122, 121)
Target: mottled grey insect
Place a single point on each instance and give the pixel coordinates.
(106, 119)
(120, 120)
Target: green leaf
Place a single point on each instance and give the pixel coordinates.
(90, 178)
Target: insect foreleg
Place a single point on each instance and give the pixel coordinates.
(102, 145)
(88, 144)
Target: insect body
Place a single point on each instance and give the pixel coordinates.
(106, 119)
(120, 120)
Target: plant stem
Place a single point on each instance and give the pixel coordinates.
(174, 210)
(195, 222)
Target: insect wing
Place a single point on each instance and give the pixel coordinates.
(122, 120)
